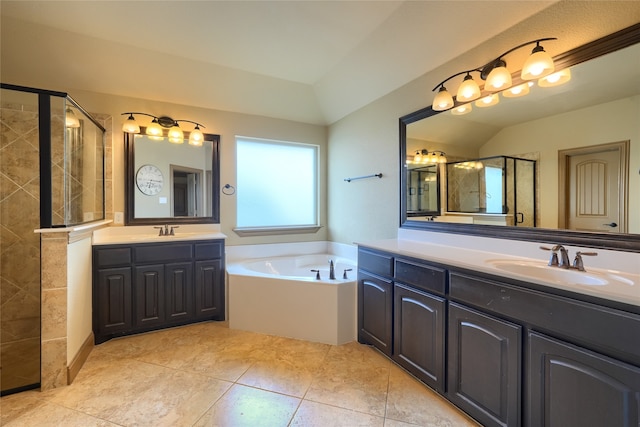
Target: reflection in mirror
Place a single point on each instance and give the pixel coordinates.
(171, 183)
(598, 106)
(423, 197)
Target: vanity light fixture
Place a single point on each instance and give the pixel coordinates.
(156, 128)
(425, 156)
(496, 75)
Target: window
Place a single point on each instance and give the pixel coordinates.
(277, 184)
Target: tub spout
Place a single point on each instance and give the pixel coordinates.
(317, 274)
(332, 273)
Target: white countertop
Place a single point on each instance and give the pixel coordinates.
(623, 286)
(149, 234)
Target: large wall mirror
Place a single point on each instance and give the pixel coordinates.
(598, 110)
(168, 183)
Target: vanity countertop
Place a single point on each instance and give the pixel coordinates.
(606, 284)
(149, 234)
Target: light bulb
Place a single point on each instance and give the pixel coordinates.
(443, 100)
(468, 90)
(175, 135)
(130, 125)
(498, 79)
(555, 79)
(196, 137)
(538, 65)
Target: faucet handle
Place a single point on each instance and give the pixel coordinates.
(161, 233)
(317, 274)
(344, 275)
(553, 260)
(577, 261)
(172, 232)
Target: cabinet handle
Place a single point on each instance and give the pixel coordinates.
(611, 224)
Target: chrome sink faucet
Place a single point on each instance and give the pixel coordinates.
(563, 262)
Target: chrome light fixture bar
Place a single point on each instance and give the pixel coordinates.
(497, 78)
(155, 128)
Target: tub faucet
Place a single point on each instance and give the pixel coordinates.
(332, 273)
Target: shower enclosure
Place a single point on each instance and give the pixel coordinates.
(51, 176)
(499, 185)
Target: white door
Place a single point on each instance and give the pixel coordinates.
(594, 192)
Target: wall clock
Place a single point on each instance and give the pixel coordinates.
(149, 180)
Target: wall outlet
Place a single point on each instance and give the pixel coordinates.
(118, 218)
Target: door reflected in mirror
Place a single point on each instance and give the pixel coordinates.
(423, 192)
(171, 183)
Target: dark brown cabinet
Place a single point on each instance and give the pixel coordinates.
(142, 287)
(509, 353)
(572, 386)
(375, 312)
(419, 321)
(484, 366)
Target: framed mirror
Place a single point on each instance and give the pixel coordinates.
(168, 183)
(615, 57)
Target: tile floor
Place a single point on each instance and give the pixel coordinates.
(208, 375)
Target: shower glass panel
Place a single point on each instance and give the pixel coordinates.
(498, 185)
(51, 175)
(19, 245)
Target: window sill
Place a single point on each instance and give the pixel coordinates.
(272, 231)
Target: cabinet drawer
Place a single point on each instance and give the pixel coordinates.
(209, 250)
(421, 276)
(112, 257)
(163, 253)
(375, 262)
(609, 331)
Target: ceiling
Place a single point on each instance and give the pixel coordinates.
(307, 61)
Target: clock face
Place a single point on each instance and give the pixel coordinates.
(149, 180)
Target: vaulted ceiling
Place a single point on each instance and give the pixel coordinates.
(308, 61)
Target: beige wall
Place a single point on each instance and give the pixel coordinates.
(227, 125)
(367, 140)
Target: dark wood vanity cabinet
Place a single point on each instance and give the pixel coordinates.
(508, 353)
(399, 314)
(484, 366)
(141, 287)
(572, 386)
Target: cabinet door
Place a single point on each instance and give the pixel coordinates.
(209, 287)
(179, 291)
(418, 344)
(484, 368)
(573, 387)
(112, 302)
(375, 308)
(149, 296)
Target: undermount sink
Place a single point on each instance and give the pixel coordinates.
(540, 270)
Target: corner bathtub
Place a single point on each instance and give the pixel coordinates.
(281, 296)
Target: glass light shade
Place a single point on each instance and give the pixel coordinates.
(468, 90)
(555, 79)
(538, 65)
(176, 136)
(154, 129)
(488, 101)
(70, 119)
(130, 125)
(498, 79)
(196, 137)
(417, 158)
(442, 158)
(443, 100)
(461, 109)
(516, 91)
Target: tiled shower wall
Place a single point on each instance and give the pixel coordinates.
(19, 246)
